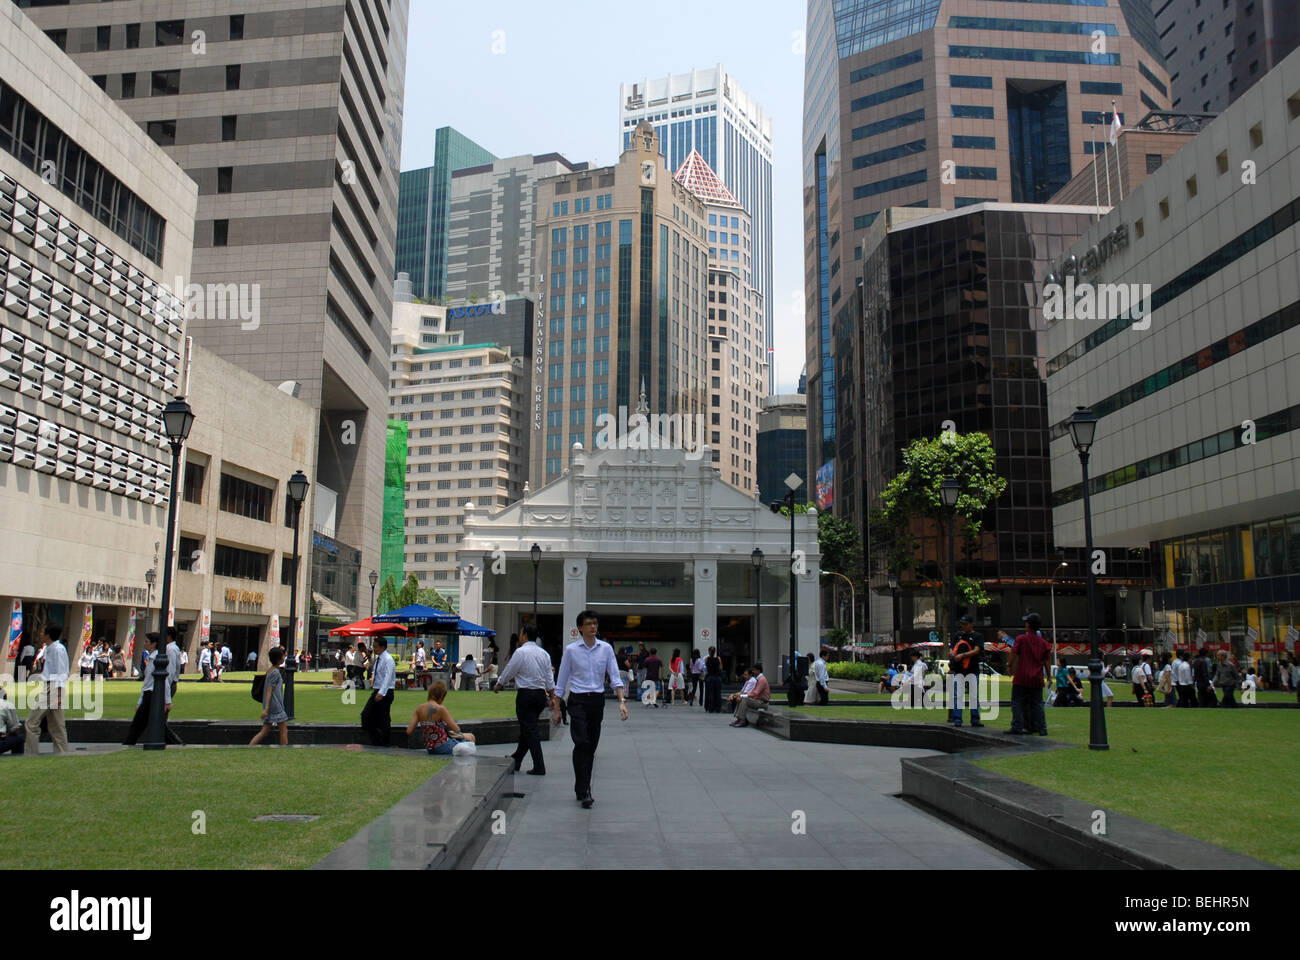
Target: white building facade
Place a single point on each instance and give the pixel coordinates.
(659, 547)
(706, 110)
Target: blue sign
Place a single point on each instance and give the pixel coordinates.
(475, 310)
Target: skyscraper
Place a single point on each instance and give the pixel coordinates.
(706, 110)
(423, 212)
(1216, 52)
(289, 118)
(935, 103)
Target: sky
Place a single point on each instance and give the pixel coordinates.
(518, 76)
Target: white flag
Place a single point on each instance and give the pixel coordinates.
(1115, 128)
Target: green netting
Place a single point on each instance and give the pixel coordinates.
(393, 557)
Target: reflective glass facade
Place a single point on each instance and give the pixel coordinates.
(1039, 132)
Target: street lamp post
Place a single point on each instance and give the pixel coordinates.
(950, 491)
(374, 579)
(150, 576)
(297, 486)
(793, 483)
(853, 606)
(178, 418)
(1059, 568)
(1083, 430)
(893, 602)
(1123, 617)
(536, 554)
(756, 558)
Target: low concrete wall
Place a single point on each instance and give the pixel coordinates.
(239, 732)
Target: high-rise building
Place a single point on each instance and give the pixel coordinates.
(953, 337)
(782, 445)
(623, 251)
(1195, 451)
(289, 119)
(97, 223)
(1216, 51)
(489, 237)
(941, 104)
(737, 352)
(463, 405)
(707, 111)
(424, 212)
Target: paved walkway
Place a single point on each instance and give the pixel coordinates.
(678, 788)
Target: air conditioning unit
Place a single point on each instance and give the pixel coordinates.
(10, 379)
(24, 458)
(59, 312)
(42, 281)
(52, 378)
(105, 417)
(16, 300)
(51, 396)
(8, 415)
(25, 441)
(86, 461)
(45, 464)
(64, 471)
(8, 435)
(86, 443)
(30, 388)
(10, 359)
(99, 481)
(118, 486)
(6, 453)
(71, 403)
(83, 475)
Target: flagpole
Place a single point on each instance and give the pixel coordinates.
(1096, 188)
(1119, 171)
(1105, 145)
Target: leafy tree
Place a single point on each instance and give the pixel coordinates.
(841, 545)
(388, 596)
(912, 500)
(410, 592)
(432, 598)
(837, 637)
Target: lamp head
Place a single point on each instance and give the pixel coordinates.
(1123, 592)
(949, 491)
(298, 485)
(1083, 429)
(536, 554)
(178, 418)
(756, 558)
(373, 578)
(893, 581)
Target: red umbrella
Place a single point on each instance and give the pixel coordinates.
(367, 628)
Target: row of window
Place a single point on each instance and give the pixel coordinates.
(972, 112)
(889, 123)
(891, 183)
(963, 52)
(887, 154)
(884, 96)
(974, 143)
(1031, 26)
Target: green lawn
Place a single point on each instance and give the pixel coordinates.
(231, 701)
(231, 787)
(1122, 690)
(1229, 777)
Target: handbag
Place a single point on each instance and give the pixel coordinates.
(1051, 698)
(464, 749)
(258, 689)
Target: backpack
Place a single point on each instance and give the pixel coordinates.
(259, 688)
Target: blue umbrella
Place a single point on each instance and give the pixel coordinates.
(474, 630)
(417, 614)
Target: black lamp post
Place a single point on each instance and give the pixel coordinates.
(297, 487)
(1123, 617)
(893, 599)
(949, 491)
(178, 418)
(536, 554)
(150, 576)
(374, 579)
(756, 558)
(1083, 429)
(792, 483)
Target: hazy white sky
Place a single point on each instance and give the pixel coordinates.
(517, 76)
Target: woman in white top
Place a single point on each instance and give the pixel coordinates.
(87, 662)
(676, 677)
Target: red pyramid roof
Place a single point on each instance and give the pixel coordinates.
(696, 175)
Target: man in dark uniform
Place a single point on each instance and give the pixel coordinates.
(964, 672)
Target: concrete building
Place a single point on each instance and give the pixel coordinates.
(707, 111)
(952, 337)
(1195, 454)
(95, 223)
(289, 117)
(1138, 152)
(783, 446)
(1216, 52)
(942, 104)
(738, 357)
(659, 547)
(463, 404)
(489, 242)
(235, 548)
(424, 212)
(624, 308)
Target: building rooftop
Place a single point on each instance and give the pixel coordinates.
(697, 176)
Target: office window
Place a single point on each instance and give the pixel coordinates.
(245, 498)
(193, 482)
(225, 177)
(974, 143)
(102, 36)
(232, 76)
(220, 232)
(237, 27)
(132, 36)
(60, 38)
(187, 548)
(228, 561)
(228, 127)
(168, 33)
(162, 132)
(128, 86)
(969, 82)
(972, 112)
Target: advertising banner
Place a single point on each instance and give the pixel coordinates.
(15, 629)
(275, 629)
(826, 485)
(130, 635)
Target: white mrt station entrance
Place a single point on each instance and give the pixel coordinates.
(659, 547)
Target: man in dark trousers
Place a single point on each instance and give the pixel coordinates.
(964, 672)
(1028, 657)
(379, 708)
(1201, 678)
(143, 706)
(583, 670)
(530, 669)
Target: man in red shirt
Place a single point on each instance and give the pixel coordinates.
(1028, 658)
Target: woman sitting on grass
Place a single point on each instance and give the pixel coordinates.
(436, 724)
(273, 712)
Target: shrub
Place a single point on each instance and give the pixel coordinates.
(866, 672)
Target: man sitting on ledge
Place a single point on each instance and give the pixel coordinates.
(734, 699)
(757, 699)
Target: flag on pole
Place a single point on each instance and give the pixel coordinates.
(1115, 127)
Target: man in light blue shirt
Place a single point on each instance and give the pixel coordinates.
(378, 711)
(583, 671)
(51, 700)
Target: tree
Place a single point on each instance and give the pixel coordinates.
(410, 592)
(841, 545)
(837, 637)
(432, 598)
(388, 596)
(912, 498)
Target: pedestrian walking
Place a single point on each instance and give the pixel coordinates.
(51, 700)
(250, 662)
(676, 677)
(967, 653)
(821, 675)
(585, 665)
(1226, 679)
(273, 712)
(1143, 680)
(205, 663)
(1183, 680)
(696, 690)
(1202, 677)
(530, 669)
(651, 666)
(144, 705)
(1027, 660)
(1165, 679)
(377, 715)
(713, 682)
(103, 657)
(86, 663)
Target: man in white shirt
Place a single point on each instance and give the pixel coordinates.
(379, 707)
(822, 677)
(50, 701)
(144, 705)
(12, 735)
(1183, 679)
(205, 662)
(468, 672)
(918, 679)
(746, 689)
(530, 669)
(583, 670)
(175, 660)
(1142, 679)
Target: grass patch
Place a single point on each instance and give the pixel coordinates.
(1229, 777)
(231, 701)
(230, 786)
